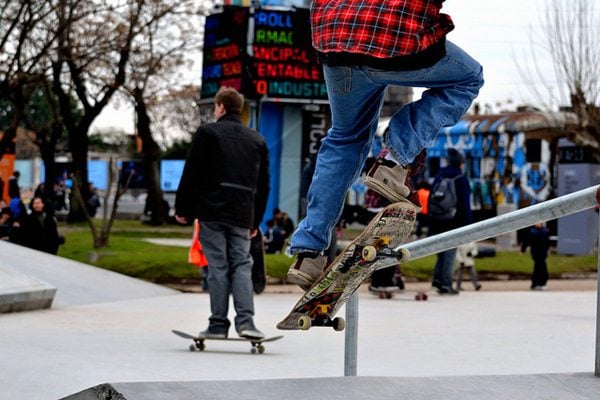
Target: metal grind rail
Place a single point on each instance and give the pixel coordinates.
(522, 218)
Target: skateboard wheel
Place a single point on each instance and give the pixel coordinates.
(339, 324)
(421, 296)
(404, 255)
(253, 350)
(261, 349)
(369, 253)
(192, 347)
(304, 323)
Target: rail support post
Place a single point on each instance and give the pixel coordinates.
(351, 343)
(597, 366)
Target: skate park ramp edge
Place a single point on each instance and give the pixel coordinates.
(30, 277)
(578, 386)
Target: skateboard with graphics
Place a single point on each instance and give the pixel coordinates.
(320, 303)
(257, 344)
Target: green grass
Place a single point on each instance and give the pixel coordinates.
(129, 254)
(511, 263)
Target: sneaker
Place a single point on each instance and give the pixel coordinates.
(447, 290)
(251, 333)
(393, 181)
(388, 179)
(212, 334)
(306, 269)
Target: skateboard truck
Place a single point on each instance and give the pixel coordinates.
(370, 253)
(318, 317)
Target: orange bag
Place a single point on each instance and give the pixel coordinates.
(196, 255)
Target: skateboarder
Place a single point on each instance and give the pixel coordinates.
(364, 47)
(225, 184)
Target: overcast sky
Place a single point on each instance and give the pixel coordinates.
(496, 33)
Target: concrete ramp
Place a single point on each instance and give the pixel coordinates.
(29, 276)
(500, 387)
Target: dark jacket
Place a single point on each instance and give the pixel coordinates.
(226, 175)
(463, 215)
(38, 231)
(539, 240)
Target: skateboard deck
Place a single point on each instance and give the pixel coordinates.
(259, 270)
(319, 304)
(257, 344)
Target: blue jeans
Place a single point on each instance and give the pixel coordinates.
(355, 97)
(227, 250)
(444, 268)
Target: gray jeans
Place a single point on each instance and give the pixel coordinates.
(227, 249)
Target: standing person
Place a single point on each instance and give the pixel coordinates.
(225, 185)
(38, 230)
(459, 216)
(422, 216)
(539, 241)
(1, 187)
(93, 201)
(465, 261)
(14, 191)
(366, 46)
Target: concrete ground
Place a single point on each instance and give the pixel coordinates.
(107, 328)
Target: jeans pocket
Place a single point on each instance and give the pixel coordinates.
(339, 79)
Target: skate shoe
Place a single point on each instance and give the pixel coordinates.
(306, 269)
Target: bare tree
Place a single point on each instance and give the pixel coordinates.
(571, 29)
(90, 61)
(170, 36)
(27, 33)
(180, 111)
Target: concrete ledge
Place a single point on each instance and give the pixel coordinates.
(26, 301)
(20, 292)
(515, 387)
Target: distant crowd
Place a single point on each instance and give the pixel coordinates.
(34, 226)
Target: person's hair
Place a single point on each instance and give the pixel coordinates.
(37, 197)
(232, 100)
(455, 159)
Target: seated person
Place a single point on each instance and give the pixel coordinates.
(274, 238)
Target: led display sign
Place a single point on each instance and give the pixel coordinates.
(225, 38)
(279, 62)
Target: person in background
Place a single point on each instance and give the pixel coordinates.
(539, 241)
(14, 191)
(38, 230)
(444, 266)
(225, 185)
(422, 216)
(93, 202)
(274, 238)
(465, 261)
(283, 220)
(5, 223)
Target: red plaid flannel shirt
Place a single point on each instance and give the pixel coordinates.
(378, 28)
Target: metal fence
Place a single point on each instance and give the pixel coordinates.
(522, 218)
